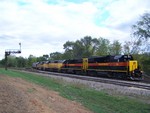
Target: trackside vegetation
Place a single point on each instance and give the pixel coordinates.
(96, 101)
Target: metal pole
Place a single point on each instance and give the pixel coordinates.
(20, 46)
(5, 61)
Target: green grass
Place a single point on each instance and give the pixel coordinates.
(96, 101)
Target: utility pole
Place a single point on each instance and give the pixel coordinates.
(8, 52)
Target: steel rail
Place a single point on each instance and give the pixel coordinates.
(97, 79)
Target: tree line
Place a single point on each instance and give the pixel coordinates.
(88, 46)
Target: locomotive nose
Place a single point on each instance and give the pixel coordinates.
(137, 74)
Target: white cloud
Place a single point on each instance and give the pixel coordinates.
(124, 11)
(43, 27)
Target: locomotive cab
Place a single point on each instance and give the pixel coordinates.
(134, 71)
(129, 65)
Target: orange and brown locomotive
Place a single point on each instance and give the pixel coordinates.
(118, 66)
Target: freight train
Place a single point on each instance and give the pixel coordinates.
(118, 66)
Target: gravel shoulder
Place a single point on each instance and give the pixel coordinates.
(20, 96)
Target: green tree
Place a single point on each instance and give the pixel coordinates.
(68, 46)
(21, 62)
(146, 63)
(56, 56)
(68, 54)
(78, 49)
(141, 34)
(115, 48)
(46, 56)
(84, 47)
(142, 28)
(127, 47)
(89, 46)
(2, 63)
(31, 60)
(73, 49)
(12, 61)
(103, 47)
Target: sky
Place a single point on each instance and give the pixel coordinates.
(43, 26)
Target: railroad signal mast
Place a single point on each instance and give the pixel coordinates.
(11, 51)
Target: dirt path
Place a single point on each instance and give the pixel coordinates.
(20, 96)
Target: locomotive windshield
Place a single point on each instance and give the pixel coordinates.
(121, 58)
(128, 57)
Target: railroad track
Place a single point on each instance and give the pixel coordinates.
(94, 79)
